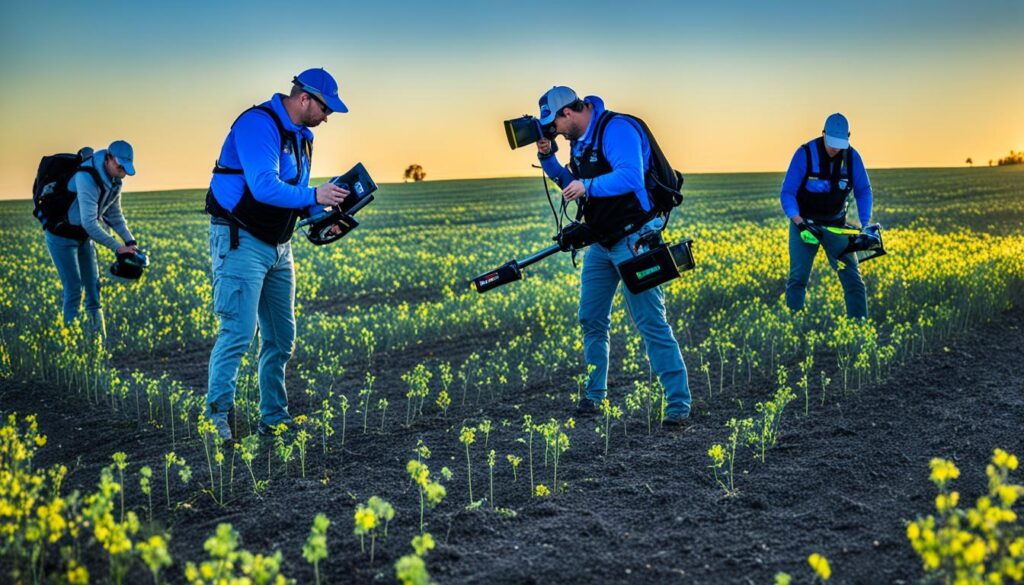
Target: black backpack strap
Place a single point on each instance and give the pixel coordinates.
(602, 123)
(306, 147)
(95, 175)
(836, 170)
(595, 145)
(659, 160)
(848, 161)
(299, 148)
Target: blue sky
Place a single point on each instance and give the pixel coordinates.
(732, 85)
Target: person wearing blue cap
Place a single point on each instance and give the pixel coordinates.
(815, 195)
(610, 154)
(97, 189)
(260, 187)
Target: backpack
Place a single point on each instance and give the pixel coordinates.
(663, 182)
(51, 197)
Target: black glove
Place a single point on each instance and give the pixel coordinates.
(574, 236)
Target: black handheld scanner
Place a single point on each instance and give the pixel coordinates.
(510, 271)
(506, 273)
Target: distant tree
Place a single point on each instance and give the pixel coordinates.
(414, 172)
(989, 162)
(1015, 158)
(969, 161)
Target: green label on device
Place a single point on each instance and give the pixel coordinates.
(645, 273)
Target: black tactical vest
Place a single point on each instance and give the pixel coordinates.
(611, 217)
(825, 191)
(268, 223)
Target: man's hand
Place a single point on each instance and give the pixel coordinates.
(797, 219)
(544, 146)
(574, 191)
(809, 235)
(330, 194)
(128, 249)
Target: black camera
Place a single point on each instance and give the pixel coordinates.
(527, 130)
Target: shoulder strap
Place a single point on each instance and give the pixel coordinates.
(813, 164)
(305, 148)
(602, 123)
(95, 175)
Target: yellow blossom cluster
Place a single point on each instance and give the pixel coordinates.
(981, 545)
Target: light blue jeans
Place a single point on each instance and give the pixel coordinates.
(76, 265)
(252, 284)
(801, 260)
(598, 284)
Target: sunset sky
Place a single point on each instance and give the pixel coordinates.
(726, 86)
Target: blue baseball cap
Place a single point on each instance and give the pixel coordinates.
(837, 132)
(123, 154)
(553, 101)
(320, 83)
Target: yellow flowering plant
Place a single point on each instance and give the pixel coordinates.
(485, 428)
(315, 549)
(211, 442)
(114, 536)
(819, 564)
(418, 381)
(514, 461)
(609, 411)
(172, 459)
(301, 439)
(146, 487)
(980, 545)
(371, 517)
(154, 554)
(248, 449)
(431, 491)
(723, 458)
(364, 397)
(466, 436)
(556, 442)
(121, 463)
(412, 569)
(228, 564)
(529, 428)
(382, 406)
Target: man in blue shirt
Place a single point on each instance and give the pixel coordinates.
(609, 156)
(97, 188)
(815, 195)
(260, 188)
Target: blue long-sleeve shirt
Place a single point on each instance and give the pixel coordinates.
(89, 207)
(627, 150)
(254, 145)
(798, 171)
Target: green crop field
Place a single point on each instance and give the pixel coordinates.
(393, 347)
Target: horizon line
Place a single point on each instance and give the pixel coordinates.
(453, 179)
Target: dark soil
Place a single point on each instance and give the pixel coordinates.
(841, 482)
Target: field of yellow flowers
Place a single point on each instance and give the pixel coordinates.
(438, 439)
